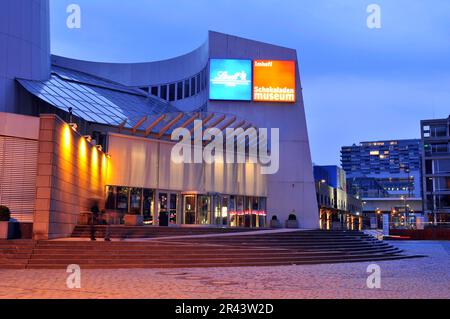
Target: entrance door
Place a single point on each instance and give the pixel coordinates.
(148, 206)
(189, 209)
(173, 208)
(220, 210)
(167, 208)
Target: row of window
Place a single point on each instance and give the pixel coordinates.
(437, 149)
(438, 184)
(179, 90)
(438, 202)
(438, 166)
(437, 130)
(220, 210)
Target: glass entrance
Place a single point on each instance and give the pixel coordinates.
(148, 206)
(167, 208)
(204, 207)
(189, 209)
(220, 210)
(163, 209)
(173, 209)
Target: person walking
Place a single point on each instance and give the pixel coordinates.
(94, 216)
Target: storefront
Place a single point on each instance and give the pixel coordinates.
(168, 208)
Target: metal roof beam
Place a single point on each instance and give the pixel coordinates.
(122, 125)
(190, 120)
(170, 124)
(228, 123)
(139, 123)
(204, 121)
(150, 128)
(216, 122)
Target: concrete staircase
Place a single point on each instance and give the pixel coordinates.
(130, 232)
(15, 254)
(303, 247)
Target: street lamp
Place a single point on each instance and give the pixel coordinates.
(406, 208)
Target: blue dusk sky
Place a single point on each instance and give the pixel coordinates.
(359, 84)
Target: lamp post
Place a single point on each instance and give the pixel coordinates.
(406, 208)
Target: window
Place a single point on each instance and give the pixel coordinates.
(438, 184)
(110, 198)
(438, 130)
(135, 200)
(172, 92)
(187, 90)
(145, 89)
(443, 202)
(180, 90)
(154, 91)
(438, 148)
(441, 166)
(163, 92)
(148, 206)
(198, 83)
(192, 86)
(122, 198)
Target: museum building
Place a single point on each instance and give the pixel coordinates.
(72, 131)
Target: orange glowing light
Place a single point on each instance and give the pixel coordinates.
(94, 157)
(274, 81)
(67, 138)
(82, 150)
(104, 166)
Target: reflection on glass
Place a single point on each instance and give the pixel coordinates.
(173, 208)
(240, 211)
(203, 209)
(122, 199)
(217, 210)
(111, 196)
(135, 201)
(189, 209)
(225, 203)
(233, 211)
(148, 206)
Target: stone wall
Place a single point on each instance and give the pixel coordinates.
(71, 172)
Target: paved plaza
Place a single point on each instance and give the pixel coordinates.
(410, 278)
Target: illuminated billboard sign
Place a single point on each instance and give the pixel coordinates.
(230, 80)
(274, 81)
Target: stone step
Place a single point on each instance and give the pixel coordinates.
(307, 247)
(193, 261)
(196, 259)
(221, 265)
(203, 249)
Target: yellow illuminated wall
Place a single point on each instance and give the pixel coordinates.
(71, 174)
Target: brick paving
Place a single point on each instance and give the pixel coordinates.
(412, 278)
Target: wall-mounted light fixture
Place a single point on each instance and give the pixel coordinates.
(88, 138)
(73, 126)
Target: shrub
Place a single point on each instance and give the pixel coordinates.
(292, 217)
(5, 214)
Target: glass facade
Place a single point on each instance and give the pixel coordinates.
(436, 174)
(172, 208)
(182, 89)
(96, 100)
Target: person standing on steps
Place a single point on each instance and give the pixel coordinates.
(94, 216)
